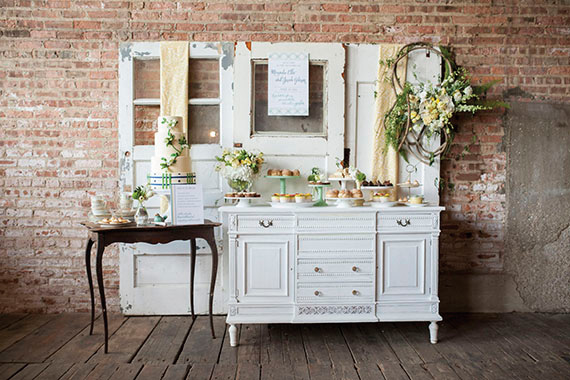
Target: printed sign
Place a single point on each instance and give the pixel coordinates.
(187, 204)
(288, 85)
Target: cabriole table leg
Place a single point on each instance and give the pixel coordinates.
(90, 281)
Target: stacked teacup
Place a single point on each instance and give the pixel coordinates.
(99, 208)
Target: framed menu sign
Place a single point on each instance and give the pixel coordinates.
(288, 84)
(187, 205)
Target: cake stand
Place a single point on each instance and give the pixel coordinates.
(321, 202)
(342, 181)
(282, 181)
(372, 189)
(343, 202)
(242, 201)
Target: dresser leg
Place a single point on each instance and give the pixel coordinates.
(433, 332)
(233, 335)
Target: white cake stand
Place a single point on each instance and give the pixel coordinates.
(343, 202)
(242, 201)
(342, 181)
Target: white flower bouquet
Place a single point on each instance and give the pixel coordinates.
(239, 167)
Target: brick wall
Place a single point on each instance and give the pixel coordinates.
(58, 112)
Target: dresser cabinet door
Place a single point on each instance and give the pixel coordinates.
(264, 268)
(404, 266)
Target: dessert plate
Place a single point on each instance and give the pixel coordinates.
(416, 204)
(117, 225)
(384, 204)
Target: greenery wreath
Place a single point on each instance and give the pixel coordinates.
(424, 111)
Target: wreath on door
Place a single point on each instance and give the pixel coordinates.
(422, 112)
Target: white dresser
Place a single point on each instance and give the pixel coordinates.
(328, 264)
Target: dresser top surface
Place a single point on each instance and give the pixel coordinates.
(266, 209)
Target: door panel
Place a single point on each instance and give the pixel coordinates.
(265, 268)
(155, 279)
(292, 150)
(403, 266)
(362, 71)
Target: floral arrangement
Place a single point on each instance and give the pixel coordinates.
(239, 167)
(143, 193)
(428, 109)
(169, 141)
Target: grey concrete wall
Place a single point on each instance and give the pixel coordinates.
(537, 253)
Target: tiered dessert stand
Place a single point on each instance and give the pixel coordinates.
(282, 181)
(320, 194)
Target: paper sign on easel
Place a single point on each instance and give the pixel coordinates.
(288, 84)
(187, 204)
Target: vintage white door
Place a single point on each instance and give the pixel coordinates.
(362, 70)
(154, 279)
(291, 142)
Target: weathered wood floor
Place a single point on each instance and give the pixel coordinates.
(482, 346)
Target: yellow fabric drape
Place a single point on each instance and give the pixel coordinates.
(174, 64)
(385, 162)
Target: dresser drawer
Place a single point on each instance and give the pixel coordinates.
(334, 222)
(335, 270)
(346, 292)
(345, 245)
(262, 223)
(406, 222)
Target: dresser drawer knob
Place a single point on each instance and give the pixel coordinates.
(403, 222)
(317, 293)
(355, 269)
(355, 292)
(266, 223)
(317, 269)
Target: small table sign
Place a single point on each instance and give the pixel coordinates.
(187, 206)
(288, 84)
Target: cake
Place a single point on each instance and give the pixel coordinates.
(171, 162)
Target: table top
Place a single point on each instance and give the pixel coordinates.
(94, 227)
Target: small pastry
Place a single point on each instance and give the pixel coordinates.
(229, 195)
(356, 193)
(286, 173)
(344, 194)
(296, 173)
(332, 193)
(299, 198)
(269, 172)
(275, 197)
(308, 197)
(283, 198)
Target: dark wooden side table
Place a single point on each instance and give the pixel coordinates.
(105, 236)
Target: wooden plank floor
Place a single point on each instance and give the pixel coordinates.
(472, 346)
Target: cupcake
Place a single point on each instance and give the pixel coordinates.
(299, 198)
(416, 199)
(275, 197)
(283, 198)
(308, 197)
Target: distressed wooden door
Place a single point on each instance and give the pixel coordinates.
(154, 279)
(291, 142)
(362, 64)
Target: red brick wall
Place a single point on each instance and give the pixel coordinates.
(58, 111)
